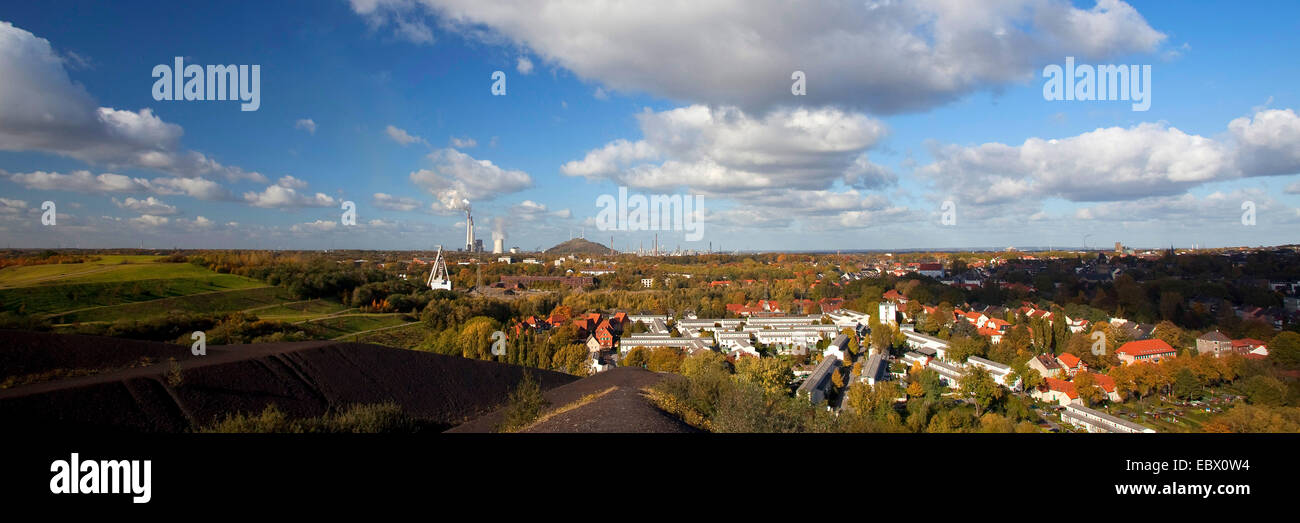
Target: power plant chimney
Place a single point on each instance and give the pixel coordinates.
(469, 231)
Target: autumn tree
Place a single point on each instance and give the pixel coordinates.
(961, 348)
(664, 359)
(1252, 418)
(979, 385)
(1171, 334)
(773, 375)
(1085, 384)
(637, 357)
(571, 359)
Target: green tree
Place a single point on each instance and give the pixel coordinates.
(1186, 386)
(964, 347)
(1029, 377)
(978, 385)
(1285, 349)
(1264, 390)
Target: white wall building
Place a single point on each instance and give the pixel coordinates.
(999, 371)
(918, 340)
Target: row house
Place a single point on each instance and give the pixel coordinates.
(1097, 421)
(650, 341)
(783, 321)
(742, 349)
(814, 388)
(732, 339)
(918, 341)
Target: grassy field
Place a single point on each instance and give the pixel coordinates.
(113, 280)
(106, 269)
(212, 302)
(140, 287)
(295, 311)
(407, 337)
(343, 325)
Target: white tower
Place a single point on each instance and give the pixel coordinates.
(499, 245)
(438, 278)
(469, 231)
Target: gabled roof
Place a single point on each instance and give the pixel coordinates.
(1145, 347)
(1105, 382)
(1070, 361)
(1213, 336)
(997, 324)
(1047, 362)
(1060, 385)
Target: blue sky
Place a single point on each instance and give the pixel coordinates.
(689, 98)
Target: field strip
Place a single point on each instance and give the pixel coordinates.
(260, 307)
(340, 338)
(344, 312)
(54, 314)
(29, 283)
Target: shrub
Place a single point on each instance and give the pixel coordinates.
(525, 405)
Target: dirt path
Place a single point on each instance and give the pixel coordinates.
(340, 338)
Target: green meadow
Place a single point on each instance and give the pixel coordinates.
(344, 325)
(116, 288)
(87, 289)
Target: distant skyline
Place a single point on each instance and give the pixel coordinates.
(907, 105)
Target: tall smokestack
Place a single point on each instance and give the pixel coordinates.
(469, 231)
